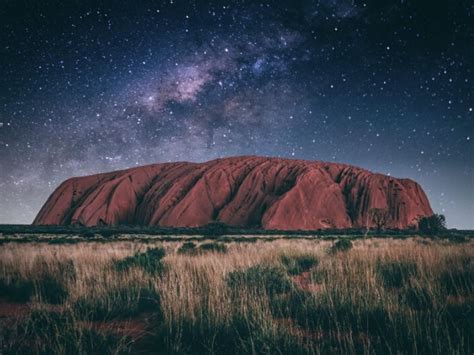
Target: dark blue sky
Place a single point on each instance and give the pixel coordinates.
(92, 86)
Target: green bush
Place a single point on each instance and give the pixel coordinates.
(45, 332)
(119, 303)
(432, 225)
(458, 281)
(65, 269)
(460, 317)
(341, 245)
(297, 264)
(273, 280)
(191, 248)
(292, 304)
(317, 275)
(187, 248)
(49, 283)
(241, 334)
(17, 289)
(395, 274)
(51, 279)
(88, 235)
(418, 298)
(213, 247)
(59, 241)
(215, 229)
(50, 289)
(150, 261)
(457, 238)
(324, 312)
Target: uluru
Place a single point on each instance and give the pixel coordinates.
(247, 192)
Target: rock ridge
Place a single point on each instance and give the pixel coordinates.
(247, 191)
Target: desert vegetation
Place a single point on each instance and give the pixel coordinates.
(266, 296)
(432, 225)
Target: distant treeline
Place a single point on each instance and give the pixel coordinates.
(212, 229)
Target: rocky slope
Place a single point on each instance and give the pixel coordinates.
(261, 192)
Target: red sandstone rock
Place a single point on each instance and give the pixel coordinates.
(261, 192)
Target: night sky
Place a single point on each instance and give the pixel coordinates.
(91, 86)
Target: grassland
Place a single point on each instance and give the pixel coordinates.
(376, 295)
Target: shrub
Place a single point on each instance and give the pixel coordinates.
(317, 275)
(64, 269)
(458, 281)
(215, 229)
(460, 315)
(67, 269)
(292, 305)
(395, 274)
(45, 332)
(123, 302)
(240, 334)
(150, 261)
(457, 238)
(17, 289)
(88, 235)
(418, 298)
(296, 264)
(331, 315)
(59, 241)
(51, 290)
(432, 225)
(341, 245)
(213, 247)
(273, 280)
(187, 248)
(190, 248)
(49, 283)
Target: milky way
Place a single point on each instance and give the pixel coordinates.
(94, 86)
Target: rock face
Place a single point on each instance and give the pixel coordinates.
(259, 192)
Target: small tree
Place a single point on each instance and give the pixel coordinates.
(432, 225)
(215, 229)
(379, 218)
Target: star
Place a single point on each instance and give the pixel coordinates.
(93, 89)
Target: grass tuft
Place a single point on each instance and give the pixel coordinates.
(395, 274)
(418, 298)
(297, 264)
(273, 280)
(213, 247)
(149, 261)
(46, 332)
(341, 245)
(187, 248)
(458, 281)
(17, 289)
(51, 289)
(120, 303)
(191, 248)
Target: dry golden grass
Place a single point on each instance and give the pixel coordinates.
(383, 295)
